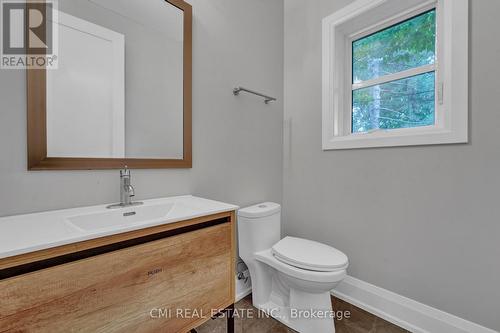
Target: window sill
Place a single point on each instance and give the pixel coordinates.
(394, 138)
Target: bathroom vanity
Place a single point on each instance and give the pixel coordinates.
(164, 266)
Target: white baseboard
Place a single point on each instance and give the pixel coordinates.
(243, 294)
(404, 312)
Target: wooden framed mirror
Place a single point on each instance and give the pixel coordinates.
(121, 94)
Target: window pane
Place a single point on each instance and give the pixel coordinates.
(404, 46)
(398, 104)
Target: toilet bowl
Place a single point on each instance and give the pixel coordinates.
(291, 277)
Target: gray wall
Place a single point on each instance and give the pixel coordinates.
(237, 141)
(420, 221)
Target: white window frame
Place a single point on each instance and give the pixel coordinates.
(451, 67)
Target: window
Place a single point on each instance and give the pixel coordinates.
(392, 75)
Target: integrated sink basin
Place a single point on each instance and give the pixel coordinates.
(32, 232)
(122, 217)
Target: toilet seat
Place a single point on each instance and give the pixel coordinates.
(268, 258)
(309, 255)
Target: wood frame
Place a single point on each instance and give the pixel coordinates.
(37, 121)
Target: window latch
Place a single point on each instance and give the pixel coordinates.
(440, 93)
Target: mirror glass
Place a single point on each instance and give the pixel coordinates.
(118, 88)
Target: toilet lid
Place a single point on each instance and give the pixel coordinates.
(310, 255)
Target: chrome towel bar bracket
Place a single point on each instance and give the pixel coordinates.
(267, 99)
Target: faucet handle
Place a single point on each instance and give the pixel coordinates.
(125, 172)
(130, 191)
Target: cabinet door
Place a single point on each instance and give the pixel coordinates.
(126, 290)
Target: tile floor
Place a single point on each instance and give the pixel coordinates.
(360, 321)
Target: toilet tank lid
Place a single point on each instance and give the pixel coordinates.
(260, 210)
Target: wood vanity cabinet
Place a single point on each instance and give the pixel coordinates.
(163, 279)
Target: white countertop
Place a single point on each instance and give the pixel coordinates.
(22, 234)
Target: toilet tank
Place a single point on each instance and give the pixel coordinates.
(259, 228)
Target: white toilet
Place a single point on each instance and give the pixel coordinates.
(292, 277)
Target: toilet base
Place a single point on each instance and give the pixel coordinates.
(305, 313)
(303, 305)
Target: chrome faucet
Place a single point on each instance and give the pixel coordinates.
(127, 191)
